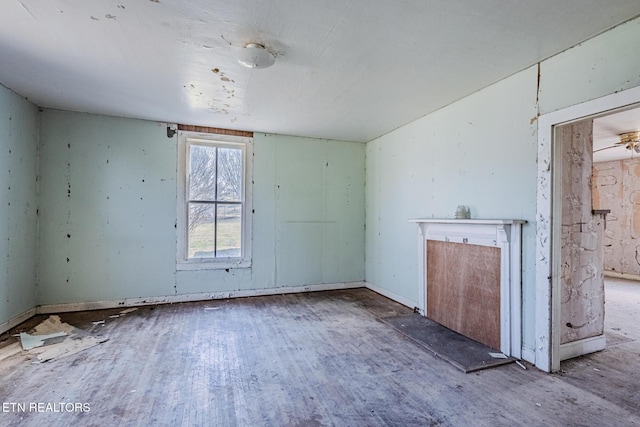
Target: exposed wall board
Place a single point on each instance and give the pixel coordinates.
(308, 221)
(319, 208)
(218, 131)
(463, 291)
(581, 278)
(18, 204)
(616, 186)
(107, 215)
(600, 66)
(480, 152)
(109, 203)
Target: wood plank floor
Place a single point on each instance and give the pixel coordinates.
(315, 359)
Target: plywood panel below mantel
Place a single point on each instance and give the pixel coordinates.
(463, 289)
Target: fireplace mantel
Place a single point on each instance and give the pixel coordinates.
(504, 234)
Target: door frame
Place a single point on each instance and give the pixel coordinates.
(548, 231)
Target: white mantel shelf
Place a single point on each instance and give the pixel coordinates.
(501, 233)
(468, 221)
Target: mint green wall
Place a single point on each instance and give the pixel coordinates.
(18, 204)
(312, 192)
(481, 152)
(601, 66)
(107, 208)
(470, 153)
(108, 212)
(308, 225)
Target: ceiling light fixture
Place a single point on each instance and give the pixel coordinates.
(630, 139)
(254, 55)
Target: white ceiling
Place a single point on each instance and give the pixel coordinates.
(606, 133)
(345, 69)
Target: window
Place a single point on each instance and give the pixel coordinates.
(213, 202)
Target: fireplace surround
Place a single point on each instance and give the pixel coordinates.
(502, 234)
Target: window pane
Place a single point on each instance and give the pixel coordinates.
(229, 174)
(229, 231)
(202, 230)
(202, 173)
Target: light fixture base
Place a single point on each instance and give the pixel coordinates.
(255, 55)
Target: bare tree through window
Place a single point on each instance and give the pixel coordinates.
(215, 201)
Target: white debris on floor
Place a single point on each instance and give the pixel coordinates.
(67, 347)
(32, 341)
(52, 339)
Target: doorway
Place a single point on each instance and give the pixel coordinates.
(578, 261)
(549, 230)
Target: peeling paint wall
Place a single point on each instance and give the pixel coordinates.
(616, 186)
(581, 276)
(108, 212)
(18, 204)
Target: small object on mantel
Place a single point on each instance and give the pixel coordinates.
(463, 212)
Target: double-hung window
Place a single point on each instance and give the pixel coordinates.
(214, 220)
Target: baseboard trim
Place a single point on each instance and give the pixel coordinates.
(529, 355)
(580, 347)
(201, 296)
(391, 295)
(12, 323)
(617, 275)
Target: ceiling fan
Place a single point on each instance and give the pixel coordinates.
(630, 140)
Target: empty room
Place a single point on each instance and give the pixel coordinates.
(339, 213)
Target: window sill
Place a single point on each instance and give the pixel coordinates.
(212, 265)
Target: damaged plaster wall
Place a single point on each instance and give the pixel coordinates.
(108, 212)
(481, 151)
(581, 276)
(19, 204)
(616, 186)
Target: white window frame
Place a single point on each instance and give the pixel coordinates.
(185, 139)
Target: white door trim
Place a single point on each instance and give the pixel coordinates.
(547, 299)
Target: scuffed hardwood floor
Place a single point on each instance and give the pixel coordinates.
(316, 359)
